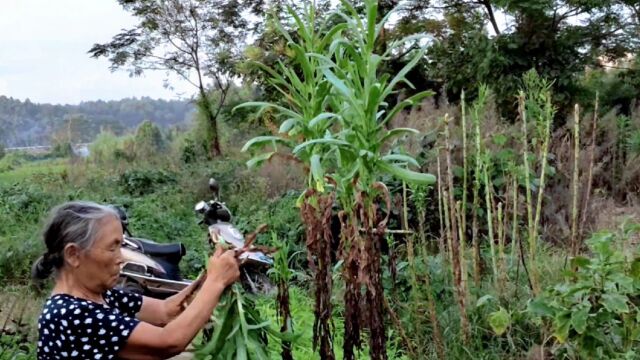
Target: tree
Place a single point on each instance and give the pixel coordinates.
(558, 38)
(199, 40)
(148, 141)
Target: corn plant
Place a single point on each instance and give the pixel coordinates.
(238, 331)
(335, 120)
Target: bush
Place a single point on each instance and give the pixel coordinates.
(141, 182)
(3, 152)
(104, 148)
(595, 313)
(61, 149)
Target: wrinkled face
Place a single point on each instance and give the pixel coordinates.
(99, 266)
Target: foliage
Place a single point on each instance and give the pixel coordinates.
(238, 330)
(141, 182)
(10, 349)
(595, 312)
(148, 141)
(557, 38)
(108, 149)
(3, 151)
(187, 38)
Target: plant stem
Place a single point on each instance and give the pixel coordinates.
(592, 151)
(576, 161)
(455, 244)
(531, 238)
(441, 214)
(490, 239)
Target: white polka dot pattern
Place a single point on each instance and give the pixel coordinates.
(71, 327)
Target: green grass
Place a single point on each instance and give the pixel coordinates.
(24, 171)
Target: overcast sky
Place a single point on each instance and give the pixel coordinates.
(43, 53)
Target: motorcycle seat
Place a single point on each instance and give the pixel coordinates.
(174, 250)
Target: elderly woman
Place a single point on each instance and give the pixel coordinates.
(86, 318)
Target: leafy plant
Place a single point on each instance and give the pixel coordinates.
(141, 182)
(595, 313)
(238, 331)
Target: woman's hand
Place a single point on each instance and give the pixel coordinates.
(224, 268)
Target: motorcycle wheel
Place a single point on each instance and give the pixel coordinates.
(133, 287)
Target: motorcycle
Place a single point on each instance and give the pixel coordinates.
(153, 269)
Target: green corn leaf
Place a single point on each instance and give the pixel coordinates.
(401, 158)
(303, 61)
(397, 132)
(241, 349)
(337, 83)
(400, 76)
(263, 140)
(380, 25)
(324, 116)
(259, 326)
(372, 13)
(328, 38)
(287, 125)
(228, 317)
(407, 175)
(405, 103)
(305, 144)
(301, 27)
(281, 30)
(316, 167)
(265, 105)
(259, 159)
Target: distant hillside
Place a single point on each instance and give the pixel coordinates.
(23, 123)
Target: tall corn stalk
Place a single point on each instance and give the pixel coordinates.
(338, 115)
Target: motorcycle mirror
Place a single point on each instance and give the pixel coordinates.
(213, 186)
(201, 207)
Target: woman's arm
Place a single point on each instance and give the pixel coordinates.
(148, 341)
(161, 312)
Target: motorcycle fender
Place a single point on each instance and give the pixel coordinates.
(131, 256)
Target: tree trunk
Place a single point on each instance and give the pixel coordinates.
(212, 119)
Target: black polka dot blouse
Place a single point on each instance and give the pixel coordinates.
(71, 327)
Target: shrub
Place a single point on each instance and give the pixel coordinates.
(141, 182)
(595, 313)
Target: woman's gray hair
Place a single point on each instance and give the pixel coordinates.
(74, 222)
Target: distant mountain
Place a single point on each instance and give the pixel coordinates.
(23, 123)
